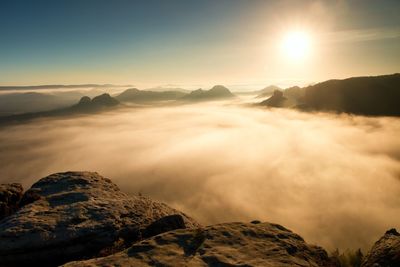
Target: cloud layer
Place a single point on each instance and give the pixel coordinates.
(334, 179)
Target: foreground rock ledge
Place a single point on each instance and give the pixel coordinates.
(80, 215)
(385, 252)
(228, 244)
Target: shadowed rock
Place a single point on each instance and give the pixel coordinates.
(165, 224)
(378, 95)
(228, 244)
(76, 215)
(10, 196)
(85, 105)
(98, 102)
(276, 100)
(385, 252)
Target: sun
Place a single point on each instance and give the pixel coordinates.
(296, 45)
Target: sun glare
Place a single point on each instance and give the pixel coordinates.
(296, 45)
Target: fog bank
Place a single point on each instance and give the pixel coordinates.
(334, 179)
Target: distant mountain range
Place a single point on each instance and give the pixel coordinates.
(85, 105)
(374, 95)
(31, 105)
(215, 93)
(134, 95)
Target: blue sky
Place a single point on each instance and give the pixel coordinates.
(193, 43)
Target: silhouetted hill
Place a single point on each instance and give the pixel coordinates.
(85, 105)
(377, 95)
(276, 100)
(217, 92)
(98, 102)
(294, 92)
(137, 96)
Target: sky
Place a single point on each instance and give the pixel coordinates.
(195, 44)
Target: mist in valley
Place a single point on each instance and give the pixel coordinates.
(335, 179)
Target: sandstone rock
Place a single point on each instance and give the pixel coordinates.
(76, 215)
(10, 196)
(385, 252)
(228, 244)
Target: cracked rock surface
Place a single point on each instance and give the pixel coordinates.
(385, 252)
(227, 244)
(78, 215)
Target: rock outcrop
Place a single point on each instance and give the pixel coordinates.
(385, 252)
(78, 215)
(10, 196)
(228, 244)
(97, 103)
(276, 100)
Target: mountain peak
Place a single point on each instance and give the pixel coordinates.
(104, 100)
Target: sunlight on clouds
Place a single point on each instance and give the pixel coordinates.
(296, 45)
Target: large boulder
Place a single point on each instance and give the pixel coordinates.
(385, 252)
(76, 215)
(10, 196)
(228, 244)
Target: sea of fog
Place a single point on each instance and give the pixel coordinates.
(334, 179)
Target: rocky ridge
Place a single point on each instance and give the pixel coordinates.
(385, 252)
(83, 219)
(77, 215)
(227, 244)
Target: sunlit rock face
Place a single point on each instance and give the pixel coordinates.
(10, 196)
(227, 244)
(385, 252)
(77, 215)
